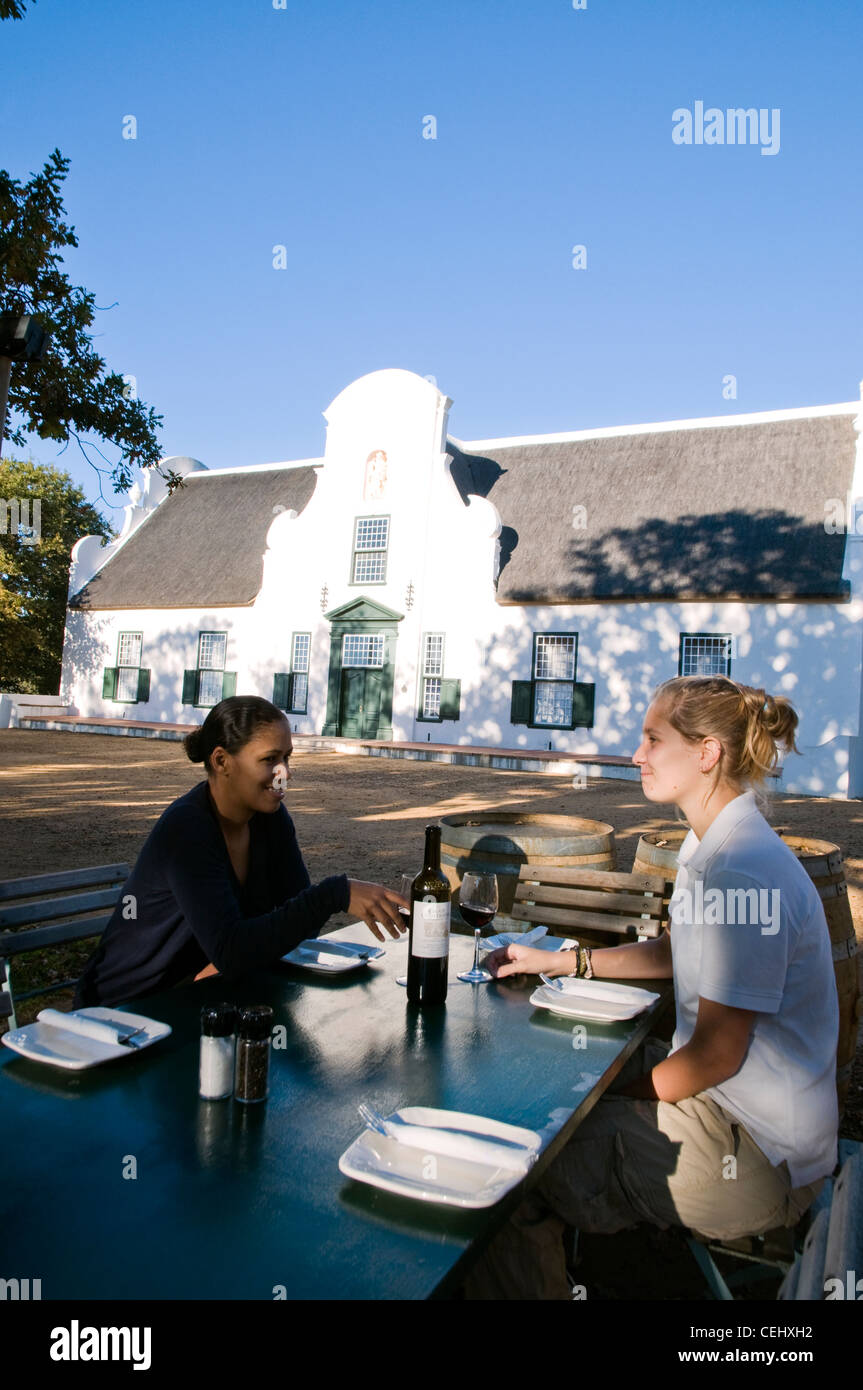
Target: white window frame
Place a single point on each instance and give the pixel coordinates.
(128, 672)
(552, 690)
(205, 672)
(376, 647)
(300, 653)
(432, 675)
(705, 645)
(371, 549)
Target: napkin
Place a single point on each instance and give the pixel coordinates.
(465, 1146)
(513, 938)
(100, 1030)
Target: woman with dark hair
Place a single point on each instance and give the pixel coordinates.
(732, 1130)
(220, 885)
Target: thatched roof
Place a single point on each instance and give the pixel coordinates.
(203, 546)
(705, 512)
(726, 511)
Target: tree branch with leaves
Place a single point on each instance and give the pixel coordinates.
(69, 394)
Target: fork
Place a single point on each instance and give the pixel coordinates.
(377, 1122)
(551, 981)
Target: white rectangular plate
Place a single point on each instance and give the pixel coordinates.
(40, 1042)
(331, 957)
(383, 1162)
(596, 1001)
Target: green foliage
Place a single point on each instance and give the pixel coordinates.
(69, 394)
(13, 9)
(34, 579)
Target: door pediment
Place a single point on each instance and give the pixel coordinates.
(363, 610)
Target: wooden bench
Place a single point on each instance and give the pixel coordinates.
(84, 909)
(596, 906)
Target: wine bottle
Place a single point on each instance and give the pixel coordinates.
(428, 950)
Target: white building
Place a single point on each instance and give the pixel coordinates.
(520, 593)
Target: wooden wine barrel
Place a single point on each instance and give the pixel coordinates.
(499, 842)
(657, 854)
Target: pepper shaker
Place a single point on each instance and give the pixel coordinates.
(251, 1071)
(216, 1069)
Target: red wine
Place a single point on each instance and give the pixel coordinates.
(476, 916)
(428, 952)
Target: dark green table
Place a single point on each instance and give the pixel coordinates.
(233, 1201)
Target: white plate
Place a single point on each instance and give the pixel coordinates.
(331, 957)
(596, 1001)
(383, 1162)
(41, 1042)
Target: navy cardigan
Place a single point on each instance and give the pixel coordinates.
(183, 906)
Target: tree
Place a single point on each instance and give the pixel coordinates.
(34, 578)
(13, 9)
(69, 394)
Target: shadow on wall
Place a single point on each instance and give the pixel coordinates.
(166, 659)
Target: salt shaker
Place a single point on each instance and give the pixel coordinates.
(216, 1071)
(251, 1071)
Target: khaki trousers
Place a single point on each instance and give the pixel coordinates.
(686, 1164)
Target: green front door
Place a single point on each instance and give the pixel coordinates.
(360, 684)
(360, 706)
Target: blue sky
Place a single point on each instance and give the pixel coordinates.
(303, 127)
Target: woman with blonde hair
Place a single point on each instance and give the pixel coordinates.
(732, 1129)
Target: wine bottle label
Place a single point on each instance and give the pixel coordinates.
(430, 930)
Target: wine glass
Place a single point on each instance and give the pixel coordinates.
(405, 885)
(477, 902)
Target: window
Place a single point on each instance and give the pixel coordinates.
(432, 673)
(704, 654)
(209, 682)
(299, 692)
(371, 538)
(362, 649)
(553, 698)
(439, 699)
(212, 647)
(553, 673)
(127, 682)
(291, 688)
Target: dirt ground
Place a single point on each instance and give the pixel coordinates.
(72, 800)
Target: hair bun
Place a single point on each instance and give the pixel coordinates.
(193, 746)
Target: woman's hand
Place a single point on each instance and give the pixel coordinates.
(376, 905)
(524, 960)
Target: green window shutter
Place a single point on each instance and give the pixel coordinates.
(281, 684)
(521, 708)
(450, 699)
(109, 683)
(582, 704)
(190, 687)
(229, 684)
(143, 684)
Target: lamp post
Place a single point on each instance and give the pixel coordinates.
(22, 339)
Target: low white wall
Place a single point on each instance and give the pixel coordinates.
(11, 702)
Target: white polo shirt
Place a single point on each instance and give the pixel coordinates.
(761, 942)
